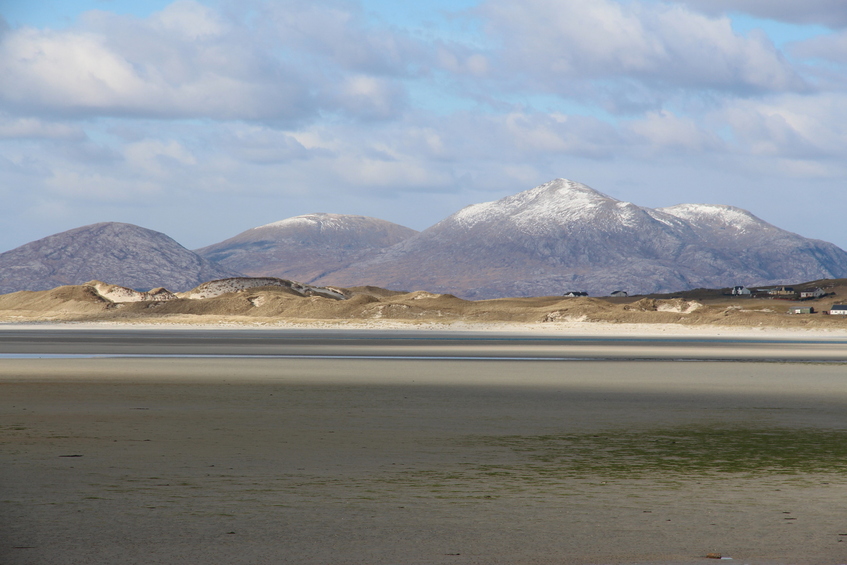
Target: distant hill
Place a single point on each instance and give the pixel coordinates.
(306, 247)
(564, 236)
(122, 254)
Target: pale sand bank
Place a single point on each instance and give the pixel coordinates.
(552, 328)
(327, 461)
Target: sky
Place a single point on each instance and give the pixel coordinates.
(204, 118)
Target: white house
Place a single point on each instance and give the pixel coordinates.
(838, 310)
(574, 293)
(740, 290)
(812, 293)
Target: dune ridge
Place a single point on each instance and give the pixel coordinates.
(271, 301)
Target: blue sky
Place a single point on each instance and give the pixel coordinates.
(203, 119)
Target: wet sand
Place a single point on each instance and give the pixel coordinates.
(401, 461)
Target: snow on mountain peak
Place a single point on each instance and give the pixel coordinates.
(559, 200)
(715, 215)
(316, 219)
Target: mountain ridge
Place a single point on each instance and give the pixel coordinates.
(563, 235)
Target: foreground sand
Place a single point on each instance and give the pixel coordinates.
(322, 461)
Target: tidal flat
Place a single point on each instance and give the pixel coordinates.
(146, 460)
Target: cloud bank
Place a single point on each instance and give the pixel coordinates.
(202, 120)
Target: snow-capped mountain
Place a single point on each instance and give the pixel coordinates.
(120, 254)
(558, 237)
(564, 236)
(306, 247)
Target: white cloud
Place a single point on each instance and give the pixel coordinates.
(263, 145)
(534, 134)
(663, 132)
(155, 157)
(398, 174)
(831, 47)
(35, 128)
(831, 13)
(792, 127)
(188, 61)
(337, 32)
(72, 72)
(101, 187)
(459, 60)
(558, 44)
(66, 69)
(369, 97)
(190, 20)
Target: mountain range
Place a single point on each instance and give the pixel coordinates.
(564, 236)
(558, 237)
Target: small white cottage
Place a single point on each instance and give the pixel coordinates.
(812, 293)
(574, 293)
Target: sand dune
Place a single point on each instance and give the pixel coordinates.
(269, 301)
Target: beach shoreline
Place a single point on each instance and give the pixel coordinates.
(287, 459)
(576, 328)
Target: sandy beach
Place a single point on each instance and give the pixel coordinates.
(399, 461)
(564, 327)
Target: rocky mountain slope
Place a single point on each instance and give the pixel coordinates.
(121, 254)
(306, 247)
(564, 236)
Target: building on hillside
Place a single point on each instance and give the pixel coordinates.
(782, 291)
(811, 293)
(619, 293)
(741, 291)
(573, 293)
(801, 310)
(838, 310)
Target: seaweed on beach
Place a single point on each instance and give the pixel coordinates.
(682, 451)
(528, 465)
